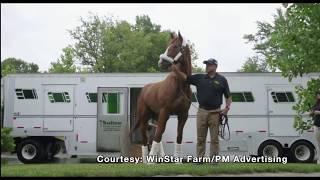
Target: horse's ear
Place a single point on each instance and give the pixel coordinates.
(180, 36)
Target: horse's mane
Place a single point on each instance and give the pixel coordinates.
(188, 60)
(187, 56)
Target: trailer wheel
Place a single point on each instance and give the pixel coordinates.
(302, 152)
(30, 151)
(270, 149)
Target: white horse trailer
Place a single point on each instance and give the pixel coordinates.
(91, 114)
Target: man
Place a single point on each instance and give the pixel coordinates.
(210, 89)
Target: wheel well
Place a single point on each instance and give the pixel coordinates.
(269, 141)
(42, 139)
(305, 141)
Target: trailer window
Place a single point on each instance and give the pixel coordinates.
(92, 97)
(56, 97)
(242, 97)
(282, 97)
(26, 94)
(113, 103)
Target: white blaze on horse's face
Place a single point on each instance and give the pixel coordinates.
(171, 60)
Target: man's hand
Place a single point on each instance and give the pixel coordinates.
(180, 74)
(225, 111)
(316, 112)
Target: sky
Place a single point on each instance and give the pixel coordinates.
(38, 32)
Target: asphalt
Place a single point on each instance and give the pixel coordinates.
(13, 159)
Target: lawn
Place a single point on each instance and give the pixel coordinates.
(126, 169)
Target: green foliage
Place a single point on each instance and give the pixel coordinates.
(306, 99)
(109, 45)
(66, 62)
(13, 65)
(292, 45)
(7, 142)
(144, 24)
(254, 64)
(196, 69)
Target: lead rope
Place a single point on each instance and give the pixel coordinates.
(223, 123)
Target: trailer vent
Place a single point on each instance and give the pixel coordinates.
(282, 97)
(92, 97)
(26, 94)
(56, 97)
(242, 97)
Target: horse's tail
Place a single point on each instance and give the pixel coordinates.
(134, 128)
(137, 116)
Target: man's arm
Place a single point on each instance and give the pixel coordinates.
(228, 102)
(316, 112)
(228, 98)
(180, 74)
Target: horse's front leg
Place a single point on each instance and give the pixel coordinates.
(178, 146)
(157, 147)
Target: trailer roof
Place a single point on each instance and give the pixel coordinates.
(140, 74)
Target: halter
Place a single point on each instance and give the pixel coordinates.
(171, 60)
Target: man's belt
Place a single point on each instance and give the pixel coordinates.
(209, 108)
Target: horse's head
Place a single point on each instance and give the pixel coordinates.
(177, 52)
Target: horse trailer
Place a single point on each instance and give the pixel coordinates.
(91, 114)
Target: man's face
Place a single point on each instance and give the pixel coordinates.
(211, 68)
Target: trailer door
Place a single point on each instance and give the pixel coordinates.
(112, 118)
(58, 107)
(281, 99)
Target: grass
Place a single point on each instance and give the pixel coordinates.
(151, 170)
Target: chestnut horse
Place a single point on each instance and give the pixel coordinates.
(168, 97)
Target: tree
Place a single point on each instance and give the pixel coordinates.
(7, 141)
(144, 24)
(196, 69)
(89, 38)
(13, 65)
(254, 64)
(292, 45)
(109, 45)
(66, 63)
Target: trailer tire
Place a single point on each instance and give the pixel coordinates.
(30, 151)
(302, 152)
(270, 149)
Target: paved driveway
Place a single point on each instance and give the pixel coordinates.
(13, 159)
